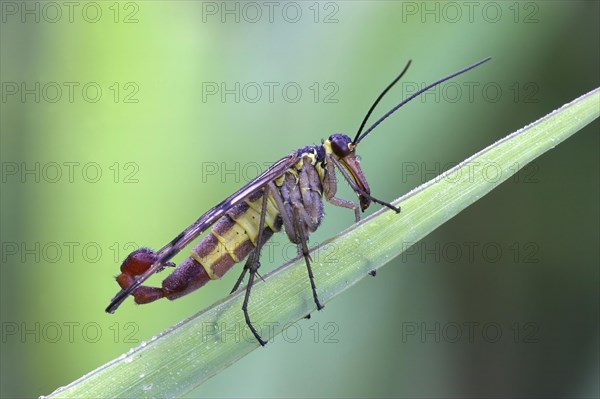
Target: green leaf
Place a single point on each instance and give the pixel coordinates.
(192, 351)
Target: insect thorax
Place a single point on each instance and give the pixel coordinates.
(234, 236)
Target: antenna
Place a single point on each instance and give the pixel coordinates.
(362, 125)
(358, 138)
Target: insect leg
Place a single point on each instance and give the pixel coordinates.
(294, 228)
(242, 275)
(357, 189)
(330, 189)
(301, 235)
(252, 265)
(263, 211)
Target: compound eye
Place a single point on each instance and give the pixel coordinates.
(340, 145)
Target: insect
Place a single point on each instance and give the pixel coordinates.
(287, 195)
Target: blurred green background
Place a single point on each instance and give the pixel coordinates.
(112, 138)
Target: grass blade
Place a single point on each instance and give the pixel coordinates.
(192, 351)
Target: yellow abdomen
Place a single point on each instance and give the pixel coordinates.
(235, 235)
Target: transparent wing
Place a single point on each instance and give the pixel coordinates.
(203, 223)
